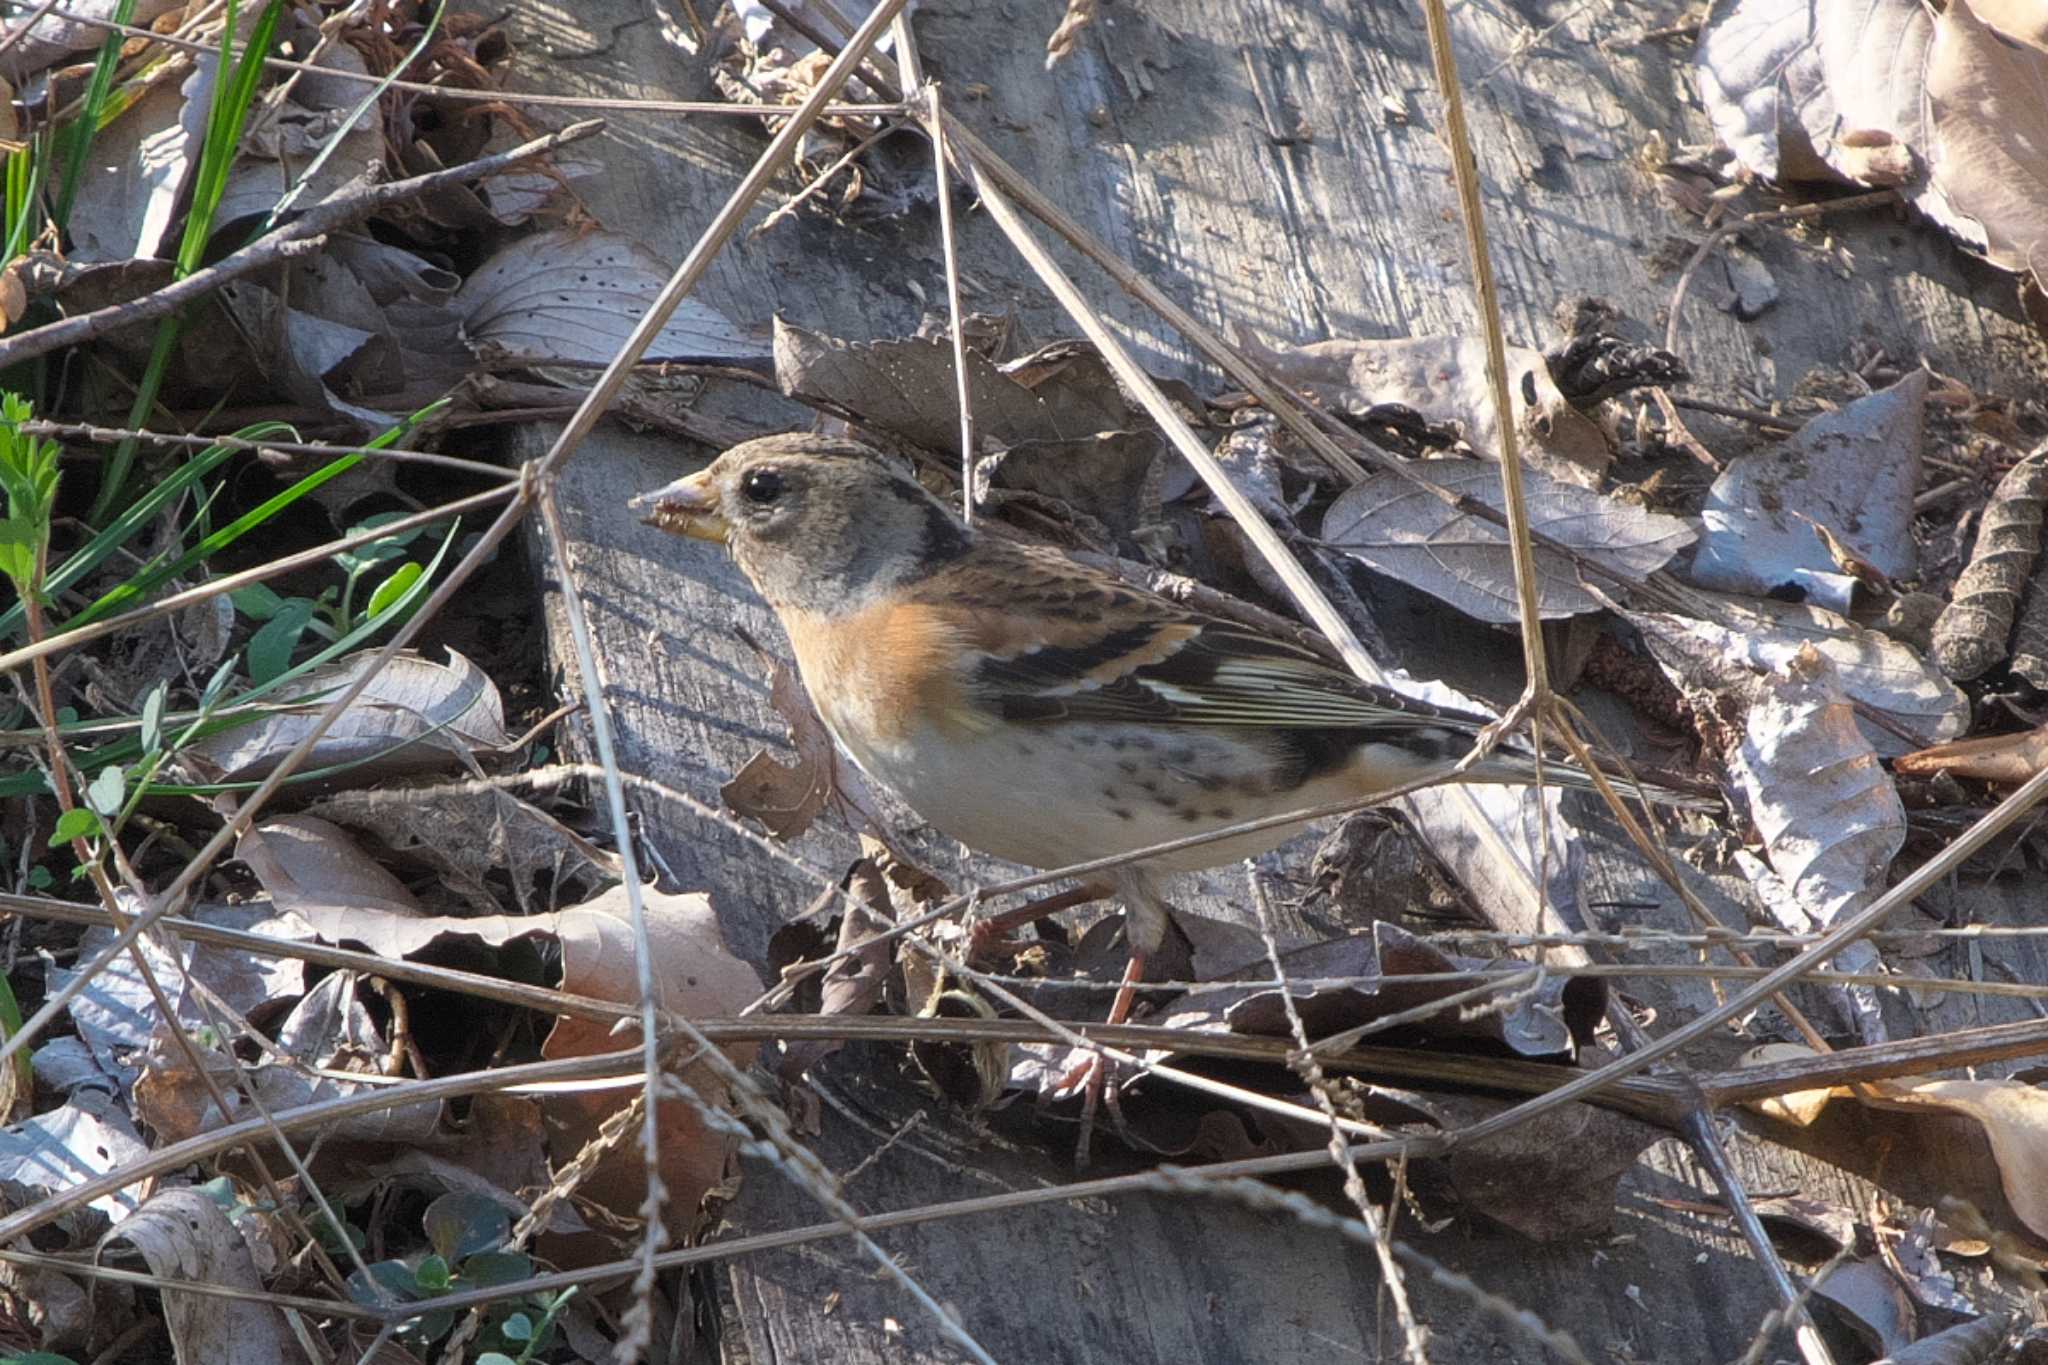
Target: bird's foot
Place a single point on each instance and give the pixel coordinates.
(1093, 1074)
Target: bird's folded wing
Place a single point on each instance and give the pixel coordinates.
(1053, 640)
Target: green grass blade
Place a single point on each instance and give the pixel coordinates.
(234, 90)
(139, 514)
(150, 580)
(87, 125)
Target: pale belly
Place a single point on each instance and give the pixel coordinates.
(1073, 793)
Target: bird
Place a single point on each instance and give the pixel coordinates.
(1038, 709)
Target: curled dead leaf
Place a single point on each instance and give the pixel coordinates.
(2008, 759)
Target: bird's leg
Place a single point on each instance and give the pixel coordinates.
(1146, 920)
(991, 932)
(1092, 1071)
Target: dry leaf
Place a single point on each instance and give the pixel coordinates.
(2023, 21)
(568, 296)
(1990, 156)
(1894, 92)
(1855, 471)
(787, 797)
(1970, 635)
(2010, 759)
(1867, 1296)
(1828, 812)
(469, 833)
(1445, 378)
(696, 976)
(1709, 657)
(2013, 1115)
(183, 1235)
(61, 1147)
(414, 716)
(1410, 534)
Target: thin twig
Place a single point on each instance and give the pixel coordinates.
(1676, 312)
(1914, 885)
(935, 128)
(84, 431)
(1414, 1345)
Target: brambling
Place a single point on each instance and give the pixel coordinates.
(1037, 709)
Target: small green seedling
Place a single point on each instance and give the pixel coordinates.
(465, 1234)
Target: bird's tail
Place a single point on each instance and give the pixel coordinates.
(1519, 768)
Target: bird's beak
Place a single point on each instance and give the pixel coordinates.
(687, 507)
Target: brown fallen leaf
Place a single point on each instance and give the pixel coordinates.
(2011, 759)
(788, 797)
(2012, 1114)
(696, 976)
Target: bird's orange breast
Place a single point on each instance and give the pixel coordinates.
(882, 674)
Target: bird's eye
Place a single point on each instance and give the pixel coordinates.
(761, 485)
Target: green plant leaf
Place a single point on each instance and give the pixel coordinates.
(496, 1267)
(432, 1275)
(80, 822)
(142, 513)
(270, 648)
(257, 601)
(10, 1024)
(392, 588)
(19, 538)
(108, 790)
(516, 1327)
(459, 1225)
(393, 1278)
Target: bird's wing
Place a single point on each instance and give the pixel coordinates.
(1054, 640)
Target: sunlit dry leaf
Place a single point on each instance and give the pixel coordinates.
(1990, 155)
(59, 1148)
(1445, 378)
(1893, 92)
(1855, 471)
(470, 833)
(1748, 637)
(1829, 815)
(311, 867)
(564, 295)
(2023, 21)
(183, 1235)
(2014, 1117)
(415, 716)
(1410, 534)
(2010, 759)
(695, 975)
